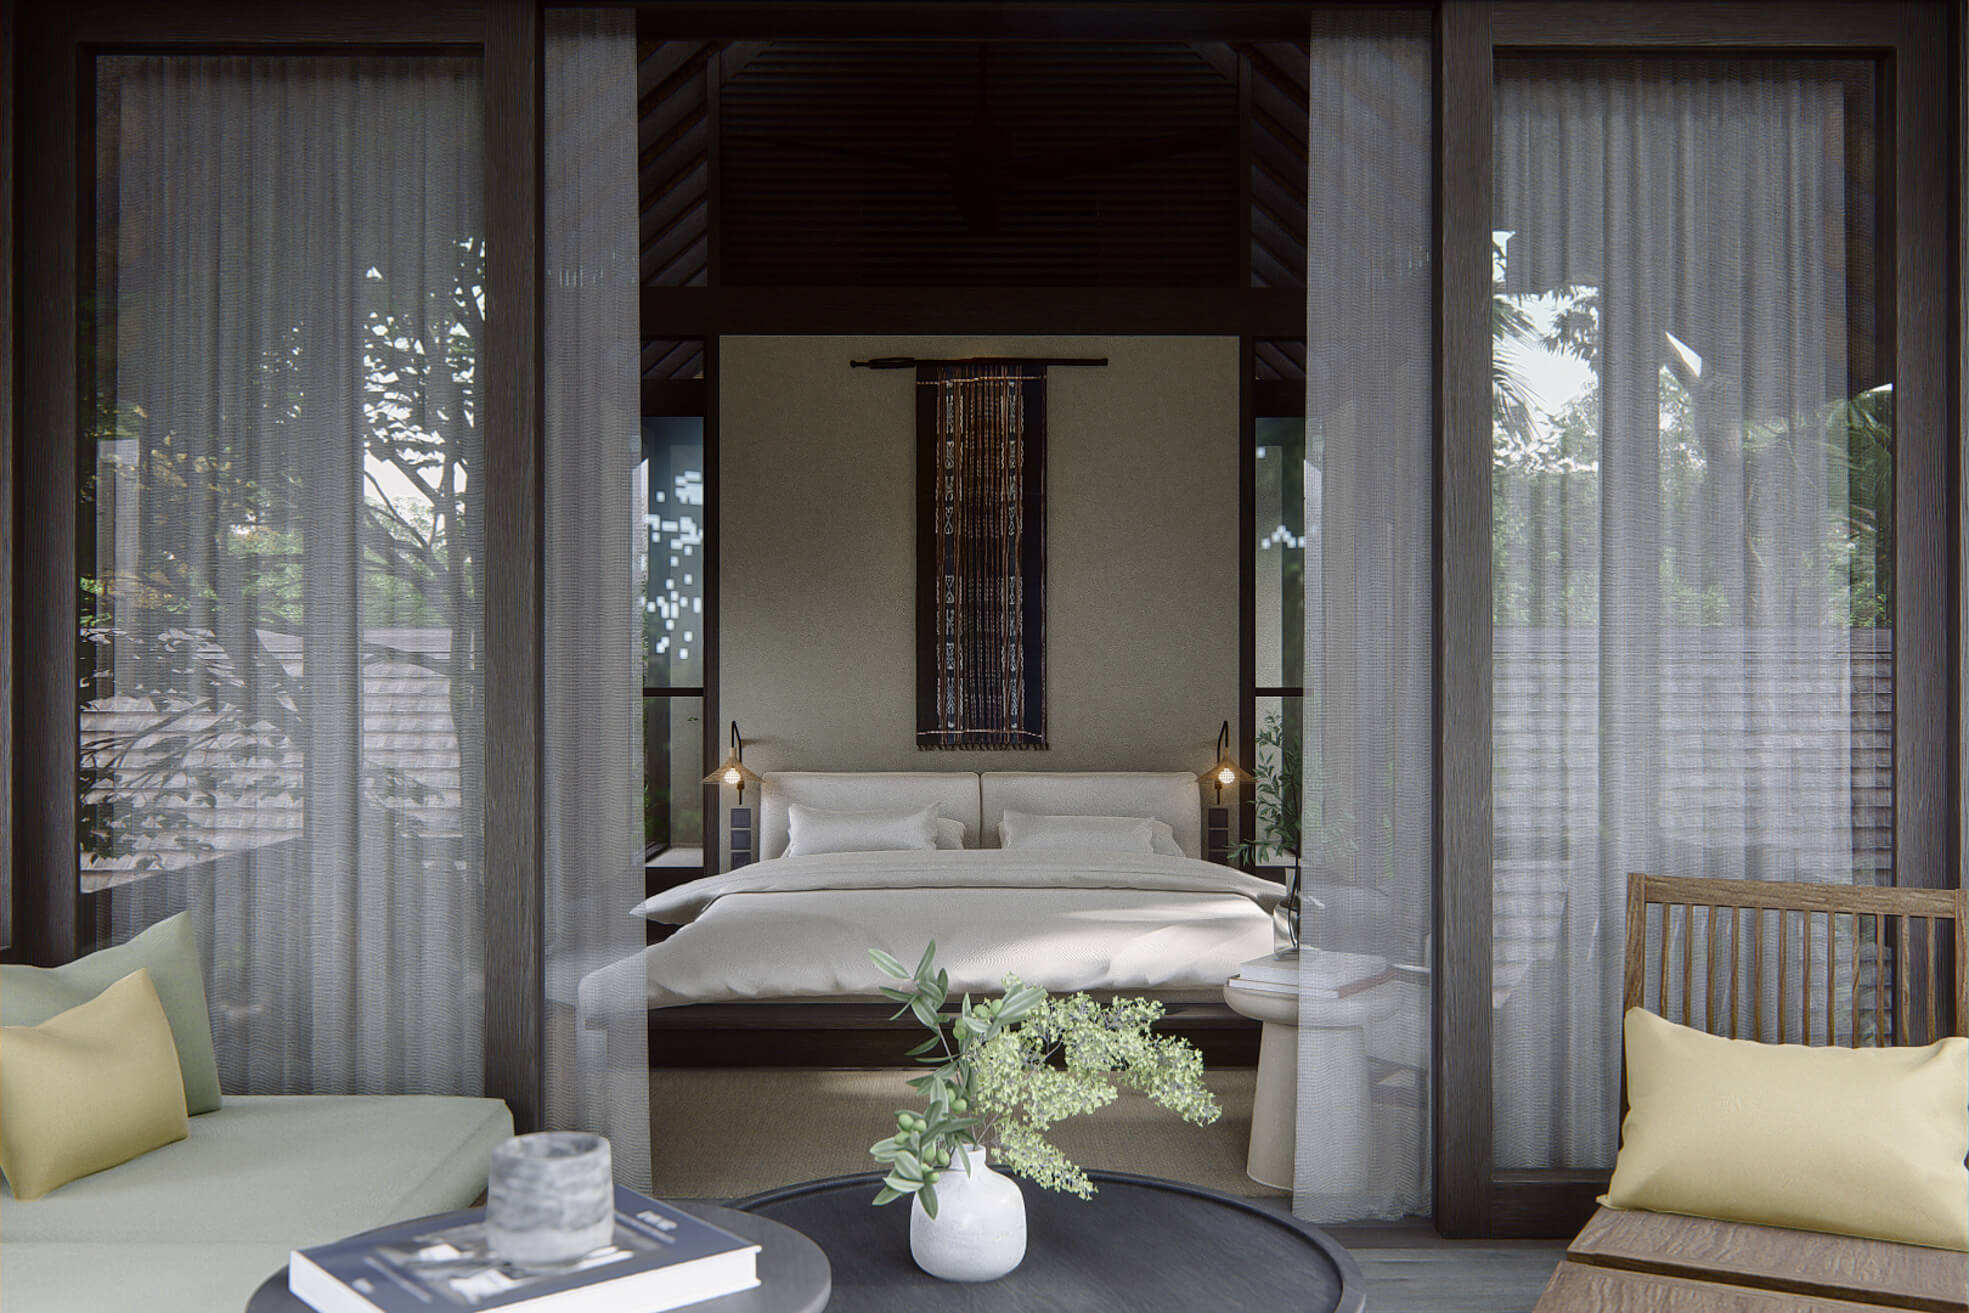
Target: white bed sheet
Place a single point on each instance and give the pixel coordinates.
(763, 933)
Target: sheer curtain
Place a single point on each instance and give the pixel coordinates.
(597, 1037)
(1678, 565)
(1363, 1145)
(282, 712)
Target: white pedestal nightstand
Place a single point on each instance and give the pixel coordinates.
(1334, 1032)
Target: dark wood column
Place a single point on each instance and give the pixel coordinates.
(514, 893)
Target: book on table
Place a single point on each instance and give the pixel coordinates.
(661, 1258)
(1323, 973)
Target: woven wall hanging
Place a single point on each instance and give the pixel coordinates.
(981, 576)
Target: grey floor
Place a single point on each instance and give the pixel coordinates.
(1411, 1269)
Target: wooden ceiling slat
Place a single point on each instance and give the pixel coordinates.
(660, 60)
(686, 70)
(684, 157)
(689, 266)
(689, 140)
(790, 217)
(1284, 66)
(664, 120)
(662, 249)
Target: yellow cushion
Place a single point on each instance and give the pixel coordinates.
(95, 1086)
(1862, 1142)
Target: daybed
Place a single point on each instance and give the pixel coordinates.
(195, 1226)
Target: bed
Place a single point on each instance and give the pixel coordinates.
(768, 964)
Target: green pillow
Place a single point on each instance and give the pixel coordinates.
(169, 950)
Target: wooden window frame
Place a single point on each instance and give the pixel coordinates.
(1910, 37)
(52, 62)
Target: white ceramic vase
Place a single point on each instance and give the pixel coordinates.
(979, 1232)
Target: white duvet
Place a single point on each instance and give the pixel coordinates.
(801, 927)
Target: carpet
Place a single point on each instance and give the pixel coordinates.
(722, 1134)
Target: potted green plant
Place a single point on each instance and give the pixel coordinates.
(1278, 808)
(1001, 1072)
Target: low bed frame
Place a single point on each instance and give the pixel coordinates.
(862, 1035)
(858, 1034)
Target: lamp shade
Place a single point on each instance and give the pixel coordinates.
(733, 770)
(1225, 770)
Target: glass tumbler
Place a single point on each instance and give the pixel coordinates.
(550, 1198)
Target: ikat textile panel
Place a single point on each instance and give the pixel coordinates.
(981, 577)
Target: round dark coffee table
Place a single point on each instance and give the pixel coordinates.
(1139, 1244)
(793, 1275)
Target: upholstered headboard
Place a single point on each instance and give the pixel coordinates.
(1170, 796)
(957, 791)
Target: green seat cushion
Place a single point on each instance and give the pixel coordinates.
(288, 1170)
(45, 1276)
(169, 949)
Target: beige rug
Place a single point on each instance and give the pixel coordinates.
(720, 1134)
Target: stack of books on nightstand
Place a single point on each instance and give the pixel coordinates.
(1318, 974)
(661, 1258)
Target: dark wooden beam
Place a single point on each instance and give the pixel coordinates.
(222, 24)
(1960, 427)
(9, 514)
(1532, 1205)
(1462, 974)
(1925, 771)
(514, 858)
(974, 311)
(1740, 25)
(45, 511)
(1012, 20)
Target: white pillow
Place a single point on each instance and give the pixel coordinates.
(950, 834)
(1109, 834)
(814, 830)
(1162, 840)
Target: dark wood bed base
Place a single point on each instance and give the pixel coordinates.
(862, 1035)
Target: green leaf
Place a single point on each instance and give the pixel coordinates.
(929, 956)
(928, 1194)
(926, 1014)
(925, 1047)
(888, 965)
(885, 1195)
(883, 1150)
(909, 1166)
(900, 1186)
(895, 995)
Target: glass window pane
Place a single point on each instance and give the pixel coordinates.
(1692, 469)
(673, 795)
(673, 620)
(1283, 476)
(1279, 792)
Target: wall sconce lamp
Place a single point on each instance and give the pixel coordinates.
(733, 769)
(1226, 771)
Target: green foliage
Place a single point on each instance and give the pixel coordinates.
(1716, 471)
(177, 630)
(1281, 795)
(1003, 1070)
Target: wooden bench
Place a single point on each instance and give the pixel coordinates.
(1636, 1262)
(1641, 1262)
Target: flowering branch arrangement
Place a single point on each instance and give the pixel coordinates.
(1004, 1070)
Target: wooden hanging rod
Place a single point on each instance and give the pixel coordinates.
(911, 362)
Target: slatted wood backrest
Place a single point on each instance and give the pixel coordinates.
(1770, 960)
